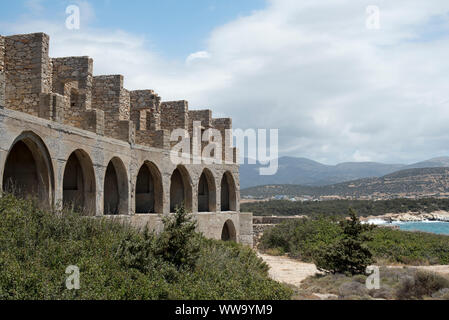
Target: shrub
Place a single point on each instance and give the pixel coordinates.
(349, 254)
(305, 238)
(352, 288)
(117, 262)
(422, 284)
(179, 243)
(301, 238)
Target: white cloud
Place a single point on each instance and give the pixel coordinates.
(336, 90)
(200, 55)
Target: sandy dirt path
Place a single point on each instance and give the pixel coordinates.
(284, 269)
(437, 268)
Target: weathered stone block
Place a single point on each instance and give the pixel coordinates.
(51, 107)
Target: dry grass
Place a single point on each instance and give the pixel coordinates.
(395, 284)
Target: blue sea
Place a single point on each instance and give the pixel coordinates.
(437, 227)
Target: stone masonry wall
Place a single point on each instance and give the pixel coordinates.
(223, 124)
(64, 90)
(143, 102)
(174, 115)
(73, 79)
(146, 115)
(59, 108)
(28, 71)
(205, 118)
(109, 95)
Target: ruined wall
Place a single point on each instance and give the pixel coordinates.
(174, 115)
(58, 108)
(109, 96)
(146, 115)
(28, 71)
(229, 154)
(204, 117)
(72, 78)
(64, 90)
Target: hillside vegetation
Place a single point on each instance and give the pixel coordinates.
(409, 182)
(305, 239)
(117, 262)
(340, 207)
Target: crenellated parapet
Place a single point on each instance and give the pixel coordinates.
(65, 90)
(109, 95)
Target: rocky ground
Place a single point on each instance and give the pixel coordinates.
(294, 272)
(411, 216)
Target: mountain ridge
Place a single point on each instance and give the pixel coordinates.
(414, 182)
(307, 172)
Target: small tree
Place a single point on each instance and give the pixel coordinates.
(349, 254)
(176, 247)
(179, 243)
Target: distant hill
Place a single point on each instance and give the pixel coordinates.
(306, 172)
(403, 183)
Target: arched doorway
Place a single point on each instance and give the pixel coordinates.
(28, 172)
(228, 193)
(115, 188)
(228, 233)
(149, 189)
(79, 186)
(180, 189)
(206, 192)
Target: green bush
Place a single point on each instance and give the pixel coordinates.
(339, 208)
(305, 238)
(414, 248)
(349, 254)
(301, 238)
(117, 262)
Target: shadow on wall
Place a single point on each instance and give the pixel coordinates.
(28, 172)
(228, 193)
(180, 189)
(229, 233)
(116, 188)
(149, 188)
(79, 187)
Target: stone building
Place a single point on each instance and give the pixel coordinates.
(69, 138)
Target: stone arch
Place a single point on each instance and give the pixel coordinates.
(28, 171)
(78, 184)
(115, 192)
(180, 189)
(149, 190)
(228, 193)
(229, 233)
(207, 195)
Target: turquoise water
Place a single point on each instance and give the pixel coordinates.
(430, 226)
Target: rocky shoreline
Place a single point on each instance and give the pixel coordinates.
(442, 216)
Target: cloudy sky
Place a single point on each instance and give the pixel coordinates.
(337, 88)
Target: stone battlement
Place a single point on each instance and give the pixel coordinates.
(64, 90)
